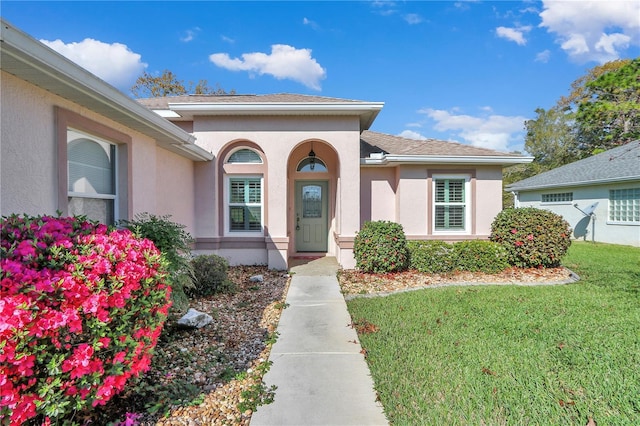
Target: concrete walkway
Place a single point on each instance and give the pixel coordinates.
(322, 377)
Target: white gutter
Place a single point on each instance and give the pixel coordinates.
(270, 107)
(569, 184)
(385, 159)
(87, 88)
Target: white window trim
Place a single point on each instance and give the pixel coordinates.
(556, 203)
(227, 221)
(467, 204)
(618, 222)
(116, 195)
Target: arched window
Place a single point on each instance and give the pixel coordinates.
(312, 164)
(245, 156)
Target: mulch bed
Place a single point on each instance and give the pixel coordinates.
(358, 284)
(222, 359)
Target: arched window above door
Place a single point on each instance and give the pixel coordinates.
(245, 156)
(312, 164)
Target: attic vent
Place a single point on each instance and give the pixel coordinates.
(245, 156)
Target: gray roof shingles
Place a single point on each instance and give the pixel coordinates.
(618, 164)
(373, 142)
(286, 98)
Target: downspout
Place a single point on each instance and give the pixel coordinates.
(516, 199)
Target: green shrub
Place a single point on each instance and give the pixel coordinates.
(532, 237)
(431, 256)
(480, 256)
(210, 276)
(175, 244)
(81, 310)
(381, 247)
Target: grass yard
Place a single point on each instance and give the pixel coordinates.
(512, 355)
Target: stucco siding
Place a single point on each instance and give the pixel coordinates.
(175, 188)
(377, 194)
(30, 164)
(488, 198)
(412, 196)
(28, 175)
(600, 229)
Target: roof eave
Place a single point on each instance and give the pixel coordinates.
(515, 188)
(366, 111)
(32, 61)
(446, 159)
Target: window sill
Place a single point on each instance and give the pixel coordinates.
(614, 223)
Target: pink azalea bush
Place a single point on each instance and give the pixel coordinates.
(533, 238)
(81, 309)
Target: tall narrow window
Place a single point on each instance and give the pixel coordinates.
(450, 204)
(91, 171)
(245, 204)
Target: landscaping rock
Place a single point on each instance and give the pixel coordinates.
(257, 279)
(195, 319)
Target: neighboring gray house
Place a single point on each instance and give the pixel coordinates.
(599, 196)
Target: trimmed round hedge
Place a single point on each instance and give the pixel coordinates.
(533, 237)
(381, 247)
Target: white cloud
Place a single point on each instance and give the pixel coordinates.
(314, 25)
(284, 62)
(410, 134)
(543, 56)
(189, 35)
(227, 39)
(593, 30)
(514, 34)
(413, 18)
(494, 131)
(114, 63)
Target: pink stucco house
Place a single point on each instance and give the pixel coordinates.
(257, 179)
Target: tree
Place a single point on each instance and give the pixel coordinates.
(167, 84)
(551, 138)
(609, 115)
(579, 92)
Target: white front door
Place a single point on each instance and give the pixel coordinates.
(311, 216)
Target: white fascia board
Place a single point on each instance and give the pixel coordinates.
(166, 113)
(49, 63)
(572, 184)
(194, 152)
(275, 108)
(439, 159)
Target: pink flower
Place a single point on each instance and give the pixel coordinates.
(79, 362)
(26, 250)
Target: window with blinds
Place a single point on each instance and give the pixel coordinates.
(245, 156)
(450, 204)
(245, 204)
(91, 177)
(624, 205)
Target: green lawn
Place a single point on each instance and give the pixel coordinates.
(513, 355)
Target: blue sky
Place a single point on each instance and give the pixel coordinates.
(467, 71)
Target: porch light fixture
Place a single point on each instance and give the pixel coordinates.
(312, 158)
